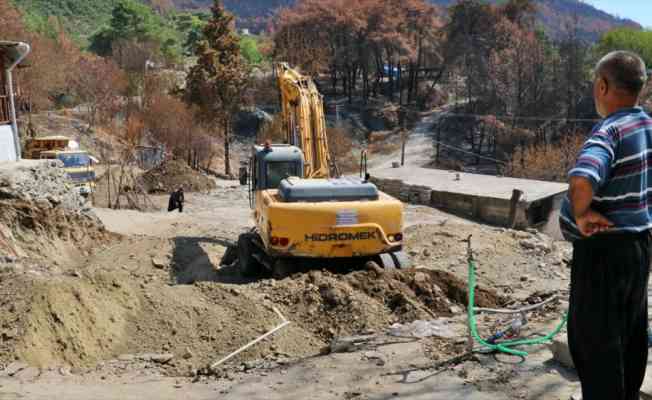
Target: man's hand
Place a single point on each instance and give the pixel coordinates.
(592, 222)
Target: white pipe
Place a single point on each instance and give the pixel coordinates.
(519, 311)
(253, 342)
(12, 104)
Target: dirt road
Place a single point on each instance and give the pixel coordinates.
(418, 148)
(144, 316)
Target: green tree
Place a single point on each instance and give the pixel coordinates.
(132, 21)
(639, 41)
(217, 83)
(190, 26)
(249, 50)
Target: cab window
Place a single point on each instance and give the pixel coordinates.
(277, 171)
(74, 160)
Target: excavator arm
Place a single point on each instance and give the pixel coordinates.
(304, 122)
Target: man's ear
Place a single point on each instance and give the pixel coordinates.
(603, 86)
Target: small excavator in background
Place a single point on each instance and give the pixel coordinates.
(304, 211)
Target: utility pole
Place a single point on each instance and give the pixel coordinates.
(404, 133)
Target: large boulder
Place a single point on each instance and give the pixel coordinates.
(248, 122)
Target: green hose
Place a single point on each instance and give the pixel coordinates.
(505, 346)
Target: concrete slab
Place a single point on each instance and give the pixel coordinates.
(472, 184)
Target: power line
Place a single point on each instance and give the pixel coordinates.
(461, 150)
(507, 117)
(513, 118)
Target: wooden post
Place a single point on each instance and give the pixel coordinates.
(438, 140)
(513, 207)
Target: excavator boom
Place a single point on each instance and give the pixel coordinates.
(304, 121)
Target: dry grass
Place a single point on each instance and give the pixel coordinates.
(546, 162)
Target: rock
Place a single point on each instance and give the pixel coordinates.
(28, 374)
(534, 244)
(162, 358)
(15, 367)
(524, 278)
(528, 244)
(126, 357)
(249, 365)
(455, 309)
(560, 351)
(426, 253)
(159, 263)
(420, 277)
(65, 371)
(157, 358)
(577, 395)
(187, 354)
(9, 334)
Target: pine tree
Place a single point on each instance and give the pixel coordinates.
(216, 84)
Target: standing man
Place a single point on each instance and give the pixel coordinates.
(180, 199)
(176, 200)
(607, 217)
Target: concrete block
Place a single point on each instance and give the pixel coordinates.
(561, 352)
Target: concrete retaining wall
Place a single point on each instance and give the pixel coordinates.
(486, 209)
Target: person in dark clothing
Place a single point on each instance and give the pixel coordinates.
(176, 200)
(606, 216)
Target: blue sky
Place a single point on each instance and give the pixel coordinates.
(637, 10)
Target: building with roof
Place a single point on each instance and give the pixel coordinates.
(11, 54)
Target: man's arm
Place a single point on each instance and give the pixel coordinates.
(581, 195)
(588, 221)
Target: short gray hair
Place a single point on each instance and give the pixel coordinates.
(623, 69)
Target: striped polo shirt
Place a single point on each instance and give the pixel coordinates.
(616, 159)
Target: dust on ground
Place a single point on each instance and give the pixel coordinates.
(151, 301)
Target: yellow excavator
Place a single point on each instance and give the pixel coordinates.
(304, 210)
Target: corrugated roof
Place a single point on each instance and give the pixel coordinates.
(12, 51)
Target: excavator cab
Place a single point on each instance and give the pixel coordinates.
(270, 164)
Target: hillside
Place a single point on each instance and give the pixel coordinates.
(554, 15)
(79, 17)
(83, 17)
(243, 8)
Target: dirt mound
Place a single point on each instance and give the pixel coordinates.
(119, 187)
(173, 174)
(332, 305)
(43, 217)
